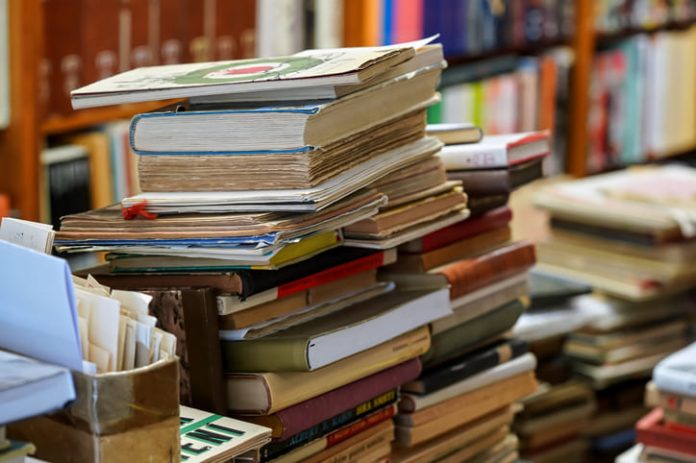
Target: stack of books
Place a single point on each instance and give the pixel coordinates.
(629, 234)
(668, 432)
(461, 406)
(552, 424)
(250, 188)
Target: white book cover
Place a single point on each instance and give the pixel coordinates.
(206, 437)
(29, 388)
(336, 66)
(677, 372)
(496, 151)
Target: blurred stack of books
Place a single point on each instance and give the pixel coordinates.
(668, 432)
(552, 424)
(628, 234)
(462, 405)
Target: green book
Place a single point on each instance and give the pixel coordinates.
(328, 339)
(468, 335)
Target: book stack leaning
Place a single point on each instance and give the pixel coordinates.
(630, 235)
(461, 406)
(248, 186)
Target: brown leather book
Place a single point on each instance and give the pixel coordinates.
(469, 274)
(469, 247)
(63, 63)
(191, 315)
(100, 38)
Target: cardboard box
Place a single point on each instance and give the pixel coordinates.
(127, 416)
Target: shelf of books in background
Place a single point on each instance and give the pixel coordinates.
(630, 235)
(642, 95)
(303, 254)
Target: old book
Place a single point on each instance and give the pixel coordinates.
(328, 339)
(352, 400)
(361, 445)
(564, 417)
(492, 220)
(170, 131)
(266, 393)
(651, 431)
(501, 181)
(457, 438)
(274, 284)
(603, 376)
(323, 293)
(437, 420)
(401, 185)
(434, 379)
(305, 69)
(455, 133)
(334, 433)
(474, 273)
(291, 200)
(497, 151)
(412, 403)
(559, 396)
(481, 204)
(306, 169)
(469, 335)
(469, 247)
(394, 220)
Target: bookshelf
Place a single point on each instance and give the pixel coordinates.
(22, 141)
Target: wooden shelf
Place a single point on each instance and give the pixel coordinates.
(85, 118)
(530, 49)
(604, 38)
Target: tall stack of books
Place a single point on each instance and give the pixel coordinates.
(629, 235)
(668, 432)
(249, 189)
(552, 424)
(462, 405)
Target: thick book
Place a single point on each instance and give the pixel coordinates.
(471, 334)
(460, 437)
(411, 403)
(459, 231)
(651, 431)
(500, 181)
(468, 247)
(266, 393)
(306, 169)
(677, 372)
(238, 316)
(347, 66)
(328, 339)
(438, 419)
(440, 377)
(470, 274)
(207, 437)
(29, 387)
(274, 284)
(334, 431)
(249, 129)
(455, 133)
(497, 151)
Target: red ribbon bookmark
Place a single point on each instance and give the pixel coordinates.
(137, 210)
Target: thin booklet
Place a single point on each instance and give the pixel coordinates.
(339, 66)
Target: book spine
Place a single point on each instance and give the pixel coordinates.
(365, 395)
(470, 274)
(374, 411)
(362, 264)
(263, 354)
(442, 378)
(462, 230)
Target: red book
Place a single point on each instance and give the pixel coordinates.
(355, 398)
(489, 221)
(408, 20)
(652, 432)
